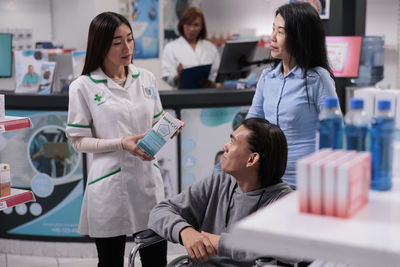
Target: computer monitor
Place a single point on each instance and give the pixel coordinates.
(344, 55)
(236, 60)
(5, 55)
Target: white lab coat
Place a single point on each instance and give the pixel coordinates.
(180, 51)
(121, 188)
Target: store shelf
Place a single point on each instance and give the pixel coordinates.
(18, 196)
(12, 123)
(370, 238)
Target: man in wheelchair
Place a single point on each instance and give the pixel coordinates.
(200, 217)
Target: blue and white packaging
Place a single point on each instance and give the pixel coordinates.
(162, 131)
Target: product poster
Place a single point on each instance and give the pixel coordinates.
(46, 79)
(29, 71)
(205, 132)
(144, 18)
(322, 6)
(42, 160)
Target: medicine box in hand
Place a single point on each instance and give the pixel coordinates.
(162, 131)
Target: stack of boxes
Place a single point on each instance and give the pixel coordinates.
(5, 180)
(334, 182)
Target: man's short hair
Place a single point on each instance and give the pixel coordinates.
(269, 142)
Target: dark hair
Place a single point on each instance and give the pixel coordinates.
(305, 37)
(269, 142)
(188, 17)
(101, 34)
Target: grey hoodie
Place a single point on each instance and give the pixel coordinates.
(213, 205)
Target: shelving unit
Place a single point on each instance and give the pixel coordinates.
(12, 123)
(370, 238)
(17, 196)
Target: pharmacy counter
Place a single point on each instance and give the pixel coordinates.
(370, 238)
(173, 99)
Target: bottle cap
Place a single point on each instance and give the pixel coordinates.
(383, 105)
(356, 103)
(330, 102)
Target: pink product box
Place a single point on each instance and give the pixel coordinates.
(317, 180)
(303, 177)
(353, 185)
(329, 185)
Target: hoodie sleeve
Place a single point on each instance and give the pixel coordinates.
(271, 194)
(186, 209)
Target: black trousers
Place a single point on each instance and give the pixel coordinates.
(111, 251)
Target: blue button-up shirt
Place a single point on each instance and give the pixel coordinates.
(282, 100)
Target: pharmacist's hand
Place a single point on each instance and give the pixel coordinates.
(197, 245)
(179, 130)
(130, 144)
(179, 69)
(179, 72)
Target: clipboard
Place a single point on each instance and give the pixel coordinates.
(191, 78)
(52, 150)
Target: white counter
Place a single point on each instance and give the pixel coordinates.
(370, 238)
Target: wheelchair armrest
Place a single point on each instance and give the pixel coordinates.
(142, 239)
(147, 237)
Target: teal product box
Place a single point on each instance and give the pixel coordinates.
(162, 131)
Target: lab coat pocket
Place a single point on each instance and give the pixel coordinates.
(105, 198)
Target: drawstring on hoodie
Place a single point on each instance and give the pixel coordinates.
(229, 204)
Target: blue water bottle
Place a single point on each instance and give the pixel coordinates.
(382, 129)
(330, 124)
(356, 126)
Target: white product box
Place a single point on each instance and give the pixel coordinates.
(161, 132)
(368, 95)
(2, 108)
(303, 170)
(5, 180)
(317, 180)
(353, 184)
(330, 182)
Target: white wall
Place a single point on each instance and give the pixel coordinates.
(71, 20)
(382, 19)
(233, 15)
(27, 14)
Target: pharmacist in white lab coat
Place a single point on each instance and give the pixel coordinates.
(111, 106)
(189, 50)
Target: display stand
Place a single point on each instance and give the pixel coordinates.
(17, 196)
(370, 238)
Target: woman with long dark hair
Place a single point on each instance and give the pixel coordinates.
(111, 106)
(291, 93)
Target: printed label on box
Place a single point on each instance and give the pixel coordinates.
(156, 138)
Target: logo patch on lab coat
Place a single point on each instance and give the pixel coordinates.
(99, 98)
(149, 92)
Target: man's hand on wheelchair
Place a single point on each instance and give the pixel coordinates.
(198, 245)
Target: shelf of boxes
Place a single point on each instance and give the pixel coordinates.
(11, 123)
(17, 196)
